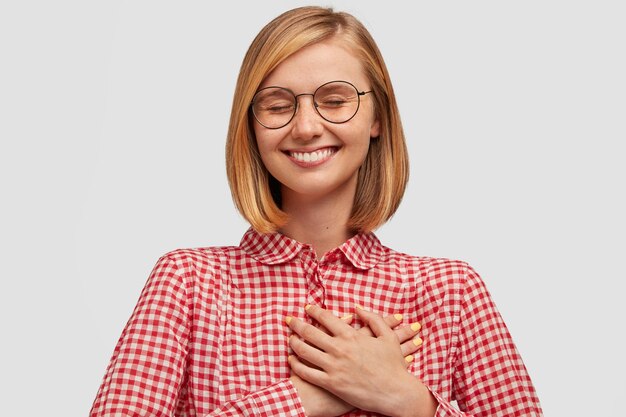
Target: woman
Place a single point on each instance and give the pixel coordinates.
(310, 314)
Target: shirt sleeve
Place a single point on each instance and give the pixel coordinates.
(147, 369)
(489, 377)
(280, 399)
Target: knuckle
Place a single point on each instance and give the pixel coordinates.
(405, 332)
(324, 315)
(307, 332)
(365, 331)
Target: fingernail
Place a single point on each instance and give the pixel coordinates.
(416, 327)
(306, 307)
(288, 319)
(347, 317)
(409, 358)
(418, 341)
(398, 317)
(359, 306)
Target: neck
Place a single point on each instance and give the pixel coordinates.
(321, 222)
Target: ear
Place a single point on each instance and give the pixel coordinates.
(375, 129)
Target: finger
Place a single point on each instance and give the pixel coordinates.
(333, 324)
(312, 375)
(348, 318)
(374, 322)
(391, 320)
(408, 360)
(311, 334)
(309, 354)
(411, 346)
(405, 333)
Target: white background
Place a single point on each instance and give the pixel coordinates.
(113, 118)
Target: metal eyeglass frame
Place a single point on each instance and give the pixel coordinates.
(315, 105)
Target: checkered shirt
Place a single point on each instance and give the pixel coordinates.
(208, 335)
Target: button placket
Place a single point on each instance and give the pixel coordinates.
(316, 293)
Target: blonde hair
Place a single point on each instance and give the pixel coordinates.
(383, 176)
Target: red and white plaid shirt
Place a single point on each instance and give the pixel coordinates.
(208, 335)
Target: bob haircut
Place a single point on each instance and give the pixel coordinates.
(383, 176)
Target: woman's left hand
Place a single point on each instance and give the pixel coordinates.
(367, 372)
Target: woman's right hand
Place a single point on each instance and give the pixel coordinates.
(318, 402)
(409, 342)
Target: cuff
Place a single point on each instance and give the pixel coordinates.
(280, 399)
(445, 408)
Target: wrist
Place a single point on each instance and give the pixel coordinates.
(316, 401)
(414, 399)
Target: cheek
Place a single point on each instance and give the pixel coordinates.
(264, 140)
(268, 151)
(357, 136)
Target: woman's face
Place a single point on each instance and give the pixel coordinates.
(310, 156)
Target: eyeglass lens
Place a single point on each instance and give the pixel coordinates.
(336, 102)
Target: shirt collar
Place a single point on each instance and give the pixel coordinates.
(364, 250)
(270, 248)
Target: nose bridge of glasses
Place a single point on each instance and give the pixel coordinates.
(297, 107)
(297, 96)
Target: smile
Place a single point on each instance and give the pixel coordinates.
(317, 156)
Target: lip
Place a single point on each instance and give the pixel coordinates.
(308, 164)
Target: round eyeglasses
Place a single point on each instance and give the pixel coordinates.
(335, 101)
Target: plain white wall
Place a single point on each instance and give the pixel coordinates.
(113, 117)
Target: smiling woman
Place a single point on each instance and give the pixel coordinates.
(315, 160)
(311, 314)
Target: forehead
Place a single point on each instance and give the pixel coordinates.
(317, 64)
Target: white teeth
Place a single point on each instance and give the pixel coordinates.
(312, 156)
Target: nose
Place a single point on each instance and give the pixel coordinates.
(307, 123)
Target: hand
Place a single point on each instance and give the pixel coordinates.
(319, 402)
(409, 342)
(367, 372)
(316, 401)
